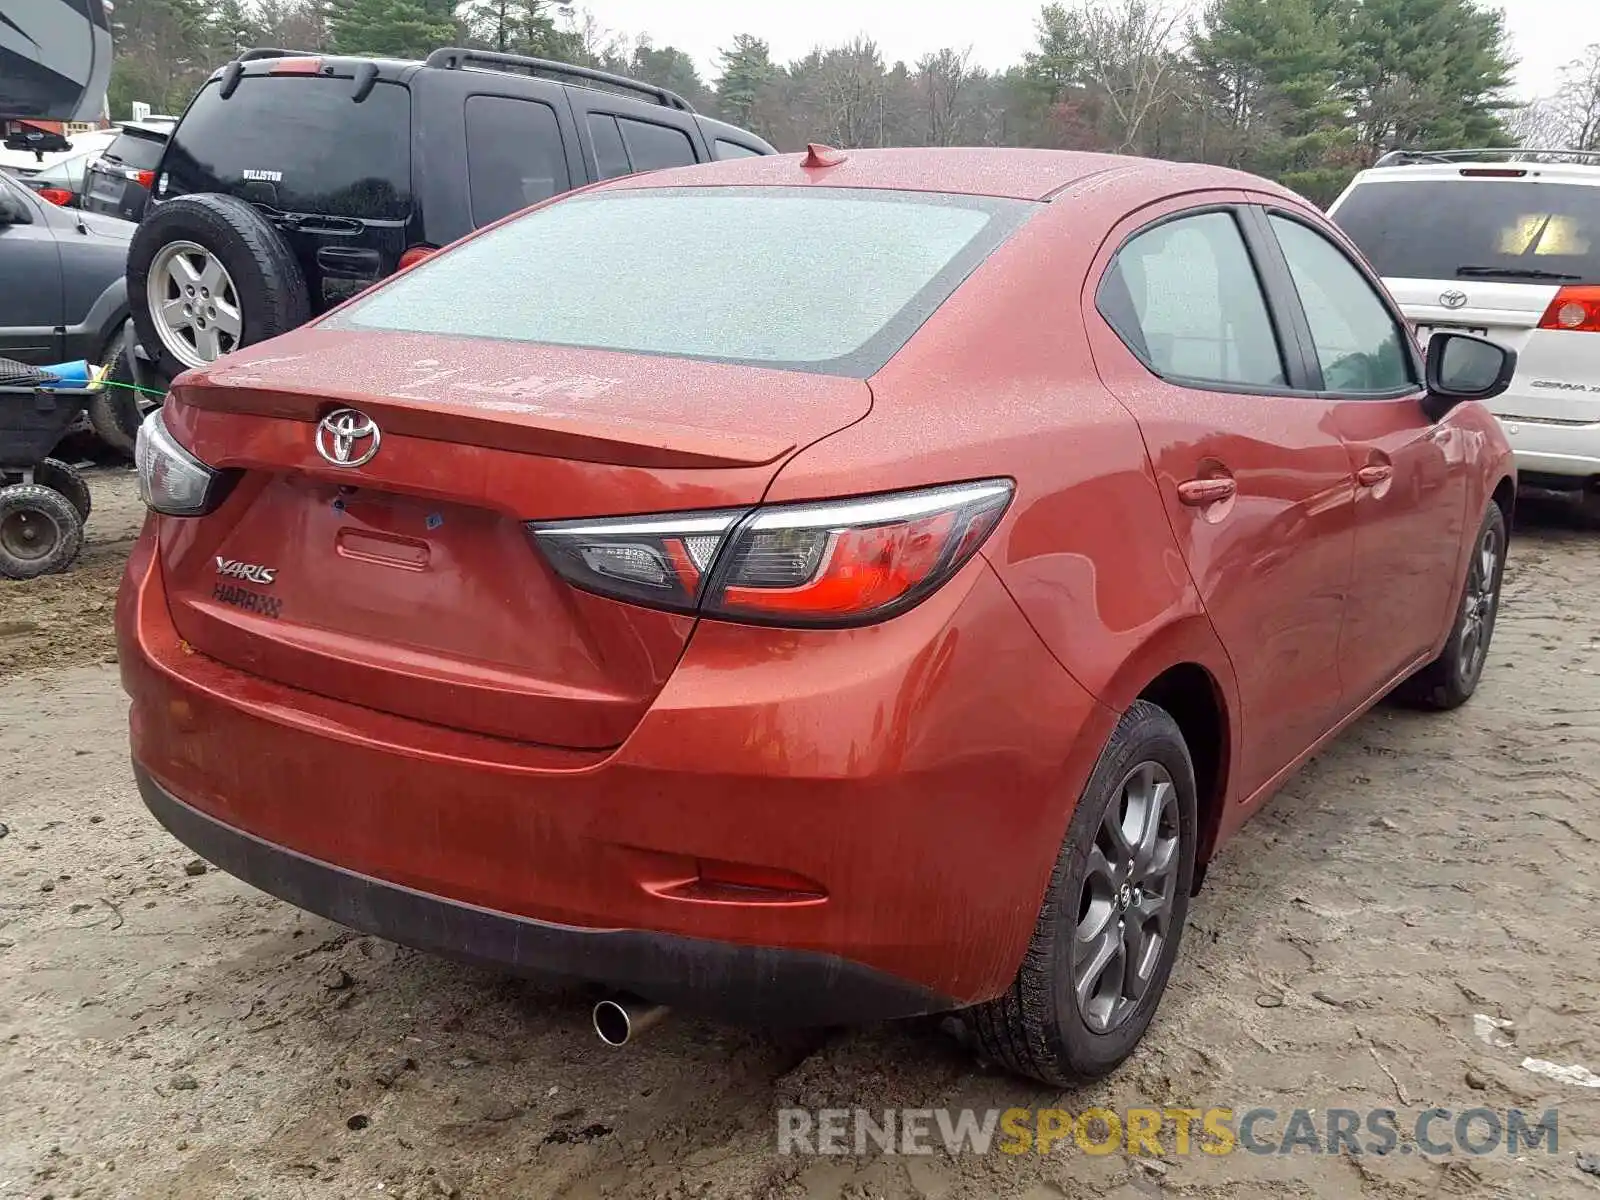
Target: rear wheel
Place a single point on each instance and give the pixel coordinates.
(1108, 931)
(118, 408)
(64, 478)
(1449, 680)
(40, 531)
(1589, 508)
(208, 274)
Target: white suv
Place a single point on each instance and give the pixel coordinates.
(1505, 244)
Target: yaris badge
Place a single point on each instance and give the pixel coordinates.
(342, 438)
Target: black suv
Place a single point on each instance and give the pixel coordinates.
(118, 183)
(293, 180)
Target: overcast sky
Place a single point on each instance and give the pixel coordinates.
(1545, 33)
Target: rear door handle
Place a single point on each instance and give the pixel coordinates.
(1197, 493)
(1375, 474)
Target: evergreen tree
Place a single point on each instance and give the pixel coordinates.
(670, 68)
(514, 27)
(1268, 74)
(392, 28)
(1426, 73)
(747, 71)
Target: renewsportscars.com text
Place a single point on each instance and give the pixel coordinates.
(1161, 1131)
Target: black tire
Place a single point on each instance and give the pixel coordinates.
(1039, 1028)
(40, 531)
(270, 286)
(1449, 680)
(1589, 509)
(117, 409)
(61, 477)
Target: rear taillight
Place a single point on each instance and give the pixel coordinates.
(171, 480)
(1574, 310)
(60, 196)
(143, 178)
(415, 254)
(845, 562)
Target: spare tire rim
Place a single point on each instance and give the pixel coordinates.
(193, 303)
(29, 534)
(1130, 886)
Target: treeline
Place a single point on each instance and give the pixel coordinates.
(1305, 91)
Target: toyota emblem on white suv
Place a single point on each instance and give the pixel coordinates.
(340, 436)
(1453, 299)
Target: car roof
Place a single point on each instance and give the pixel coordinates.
(976, 171)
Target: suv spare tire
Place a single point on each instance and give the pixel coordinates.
(207, 274)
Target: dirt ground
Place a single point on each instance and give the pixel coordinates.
(171, 1033)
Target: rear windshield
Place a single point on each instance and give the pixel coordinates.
(1495, 228)
(297, 143)
(140, 153)
(832, 280)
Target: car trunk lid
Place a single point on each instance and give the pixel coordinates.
(408, 583)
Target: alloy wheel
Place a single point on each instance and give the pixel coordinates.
(1478, 606)
(194, 303)
(1125, 906)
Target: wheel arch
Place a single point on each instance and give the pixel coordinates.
(1184, 670)
(1505, 496)
(1192, 697)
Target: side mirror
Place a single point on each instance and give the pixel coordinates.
(1462, 367)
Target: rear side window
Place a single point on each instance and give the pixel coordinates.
(1185, 298)
(140, 153)
(609, 154)
(652, 146)
(727, 149)
(831, 280)
(297, 143)
(1465, 228)
(514, 156)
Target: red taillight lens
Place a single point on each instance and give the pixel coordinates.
(416, 254)
(295, 66)
(845, 562)
(145, 179)
(1574, 310)
(59, 196)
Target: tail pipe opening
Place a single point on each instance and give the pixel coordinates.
(618, 1021)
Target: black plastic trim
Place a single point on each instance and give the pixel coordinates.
(737, 983)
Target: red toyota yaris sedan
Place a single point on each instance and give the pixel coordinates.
(812, 589)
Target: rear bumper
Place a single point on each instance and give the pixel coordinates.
(779, 987)
(1545, 448)
(830, 826)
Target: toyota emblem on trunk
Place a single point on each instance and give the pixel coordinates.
(340, 435)
(1453, 299)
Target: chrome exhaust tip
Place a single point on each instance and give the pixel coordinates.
(618, 1022)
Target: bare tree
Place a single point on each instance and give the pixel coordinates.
(1538, 124)
(1125, 54)
(851, 90)
(945, 90)
(1577, 103)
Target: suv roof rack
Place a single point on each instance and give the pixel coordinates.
(455, 58)
(1400, 158)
